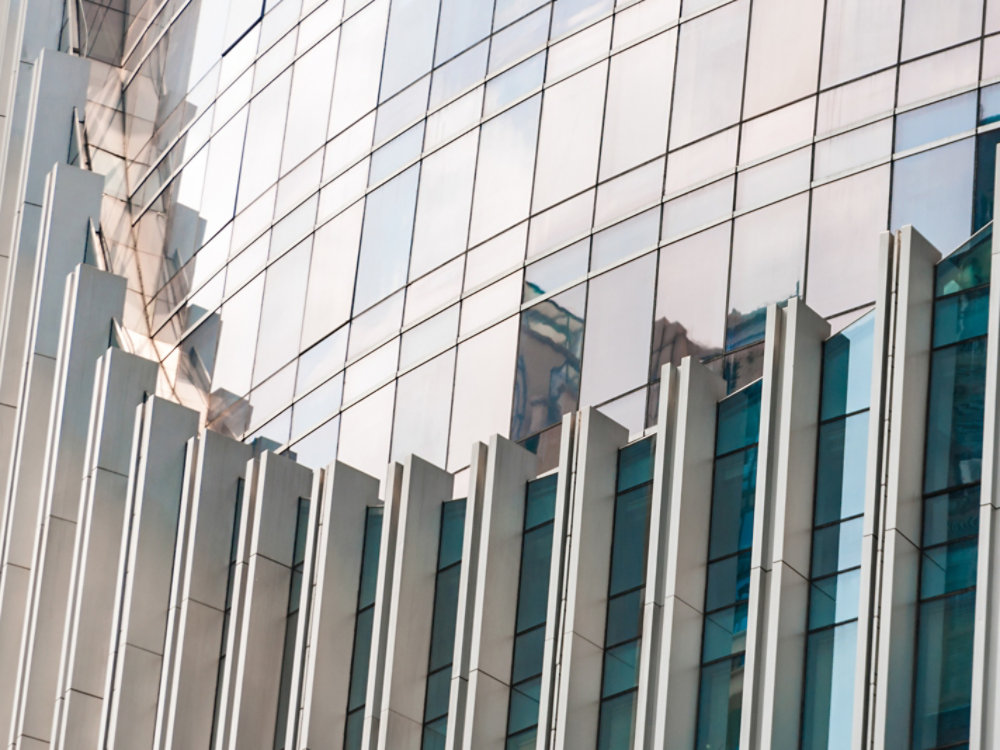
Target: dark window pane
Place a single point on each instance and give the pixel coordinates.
(528, 649)
(624, 617)
(434, 734)
(955, 419)
(728, 581)
(352, 733)
(359, 664)
(628, 551)
(621, 668)
(617, 723)
(533, 598)
(452, 531)
(725, 633)
(733, 503)
(948, 567)
(837, 547)
(445, 612)
(944, 671)
(986, 157)
(523, 741)
(834, 599)
(967, 267)
(438, 691)
(719, 705)
(739, 420)
(541, 501)
(841, 468)
(524, 705)
(847, 366)
(828, 710)
(961, 316)
(301, 528)
(369, 564)
(951, 516)
(635, 464)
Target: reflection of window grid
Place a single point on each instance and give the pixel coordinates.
(626, 586)
(442, 645)
(363, 630)
(726, 619)
(826, 596)
(526, 665)
(291, 623)
(234, 544)
(949, 550)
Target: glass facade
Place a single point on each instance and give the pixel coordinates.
(942, 692)
(341, 213)
(532, 610)
(363, 623)
(442, 649)
(626, 596)
(838, 513)
(727, 591)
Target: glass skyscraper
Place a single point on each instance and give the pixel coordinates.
(671, 320)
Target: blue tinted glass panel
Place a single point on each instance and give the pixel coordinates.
(948, 567)
(955, 416)
(950, 516)
(438, 691)
(986, 168)
(989, 104)
(733, 503)
(847, 368)
(541, 501)
(524, 705)
(834, 599)
(961, 316)
(369, 563)
(728, 581)
(635, 464)
(359, 664)
(944, 671)
(967, 267)
(719, 705)
(617, 722)
(624, 618)
(352, 733)
(828, 707)
(445, 613)
(739, 420)
(837, 547)
(621, 668)
(725, 633)
(528, 654)
(452, 528)
(935, 121)
(841, 468)
(628, 551)
(434, 734)
(536, 554)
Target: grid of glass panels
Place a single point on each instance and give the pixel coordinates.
(952, 469)
(442, 649)
(532, 607)
(364, 618)
(727, 591)
(838, 512)
(626, 589)
(328, 251)
(295, 594)
(233, 560)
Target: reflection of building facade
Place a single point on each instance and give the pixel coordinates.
(323, 234)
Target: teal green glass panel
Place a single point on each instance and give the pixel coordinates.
(728, 581)
(452, 531)
(541, 501)
(948, 567)
(635, 464)
(617, 728)
(738, 420)
(733, 503)
(837, 547)
(524, 699)
(621, 668)
(628, 550)
(847, 368)
(834, 599)
(951, 515)
(967, 267)
(536, 556)
(720, 700)
(725, 633)
(842, 463)
(828, 698)
(961, 316)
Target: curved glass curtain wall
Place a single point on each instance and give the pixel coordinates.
(442, 649)
(363, 630)
(532, 606)
(952, 469)
(727, 591)
(626, 586)
(838, 514)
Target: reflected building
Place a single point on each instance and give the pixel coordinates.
(709, 275)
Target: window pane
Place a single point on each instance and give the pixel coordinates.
(828, 710)
(961, 316)
(359, 665)
(733, 503)
(524, 699)
(535, 560)
(621, 668)
(624, 618)
(842, 465)
(847, 369)
(728, 581)
(719, 705)
(834, 599)
(617, 723)
(948, 567)
(725, 633)
(951, 516)
(445, 612)
(628, 550)
(861, 36)
(528, 654)
(836, 547)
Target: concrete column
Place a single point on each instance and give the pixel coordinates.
(579, 694)
(410, 601)
(871, 548)
(122, 379)
(907, 418)
(985, 723)
(40, 523)
(186, 703)
(144, 576)
(468, 587)
(58, 84)
(347, 494)
(256, 655)
(690, 507)
(509, 468)
(785, 490)
(382, 610)
(651, 653)
(555, 613)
